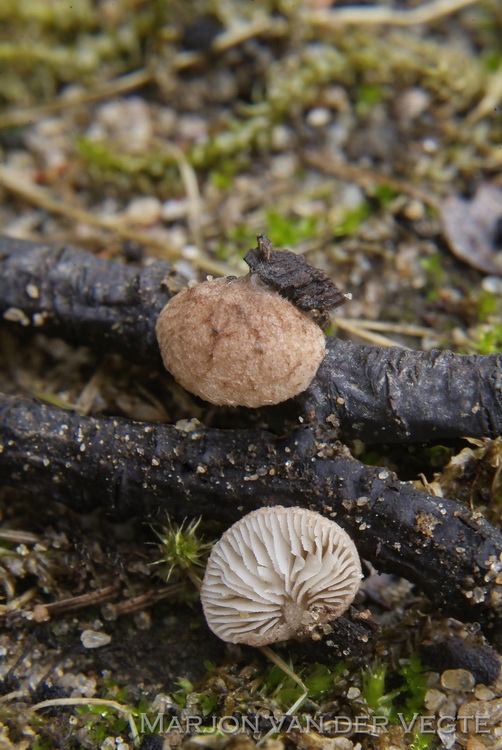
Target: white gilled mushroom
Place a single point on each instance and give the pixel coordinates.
(276, 573)
(239, 343)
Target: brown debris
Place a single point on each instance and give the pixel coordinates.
(473, 228)
(293, 277)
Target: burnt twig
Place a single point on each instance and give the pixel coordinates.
(451, 553)
(379, 395)
(62, 291)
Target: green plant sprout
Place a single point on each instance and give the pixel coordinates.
(373, 691)
(182, 549)
(406, 701)
(186, 687)
(206, 700)
(434, 275)
(410, 693)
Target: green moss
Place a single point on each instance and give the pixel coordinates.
(368, 95)
(288, 231)
(373, 690)
(438, 455)
(406, 700)
(492, 59)
(102, 155)
(384, 194)
(57, 14)
(319, 679)
(434, 274)
(487, 304)
(414, 687)
(223, 175)
(352, 220)
(181, 549)
(488, 339)
(101, 722)
(421, 741)
(186, 687)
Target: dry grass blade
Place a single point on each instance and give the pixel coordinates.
(432, 11)
(490, 101)
(191, 185)
(117, 86)
(366, 177)
(16, 182)
(362, 332)
(381, 325)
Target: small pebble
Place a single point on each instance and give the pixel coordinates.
(15, 315)
(142, 620)
(447, 709)
(484, 714)
(492, 284)
(458, 679)
(190, 252)
(430, 145)
(412, 103)
(434, 699)
(145, 210)
(93, 639)
(414, 210)
(282, 137)
(342, 743)
(483, 693)
(473, 744)
(32, 291)
(318, 117)
(174, 209)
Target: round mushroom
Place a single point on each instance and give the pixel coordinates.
(237, 342)
(277, 574)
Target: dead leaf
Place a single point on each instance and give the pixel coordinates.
(473, 228)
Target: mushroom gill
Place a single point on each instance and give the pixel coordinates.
(277, 573)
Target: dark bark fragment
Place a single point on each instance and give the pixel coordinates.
(352, 635)
(451, 553)
(289, 274)
(379, 395)
(454, 653)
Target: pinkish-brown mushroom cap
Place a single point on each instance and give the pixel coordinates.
(236, 342)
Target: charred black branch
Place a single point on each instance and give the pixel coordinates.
(398, 395)
(452, 554)
(379, 395)
(62, 291)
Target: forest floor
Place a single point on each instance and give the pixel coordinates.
(369, 142)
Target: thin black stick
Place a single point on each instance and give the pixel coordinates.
(379, 395)
(452, 554)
